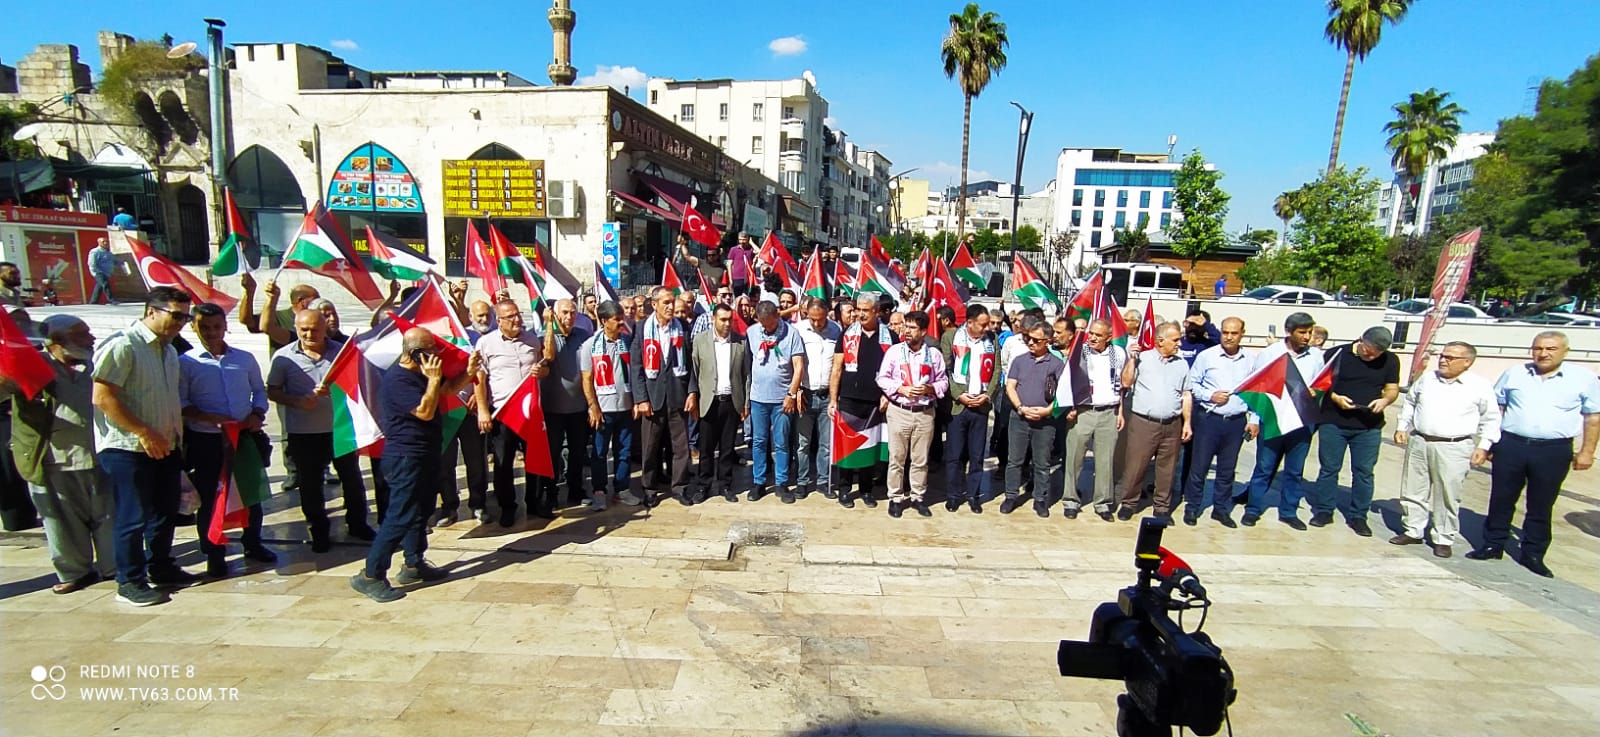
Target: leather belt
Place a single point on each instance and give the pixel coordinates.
(1537, 441)
(1167, 421)
(1099, 407)
(1441, 438)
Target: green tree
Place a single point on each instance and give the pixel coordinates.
(1276, 266)
(973, 52)
(986, 244)
(1534, 194)
(1029, 238)
(1355, 27)
(1258, 237)
(1425, 127)
(1286, 206)
(1334, 236)
(1133, 244)
(1411, 262)
(12, 119)
(1200, 207)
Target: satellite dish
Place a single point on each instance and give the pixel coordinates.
(28, 131)
(181, 50)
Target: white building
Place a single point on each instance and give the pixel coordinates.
(990, 208)
(1099, 190)
(773, 126)
(1438, 193)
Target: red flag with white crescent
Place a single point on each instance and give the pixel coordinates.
(160, 271)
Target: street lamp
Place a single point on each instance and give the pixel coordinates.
(1016, 191)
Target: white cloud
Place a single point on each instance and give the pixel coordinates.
(615, 76)
(787, 46)
(942, 173)
(345, 44)
(831, 122)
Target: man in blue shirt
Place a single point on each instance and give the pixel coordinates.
(218, 384)
(1546, 406)
(123, 221)
(408, 414)
(102, 263)
(1219, 424)
(777, 365)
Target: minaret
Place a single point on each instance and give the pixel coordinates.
(562, 20)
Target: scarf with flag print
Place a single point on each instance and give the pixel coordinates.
(769, 343)
(852, 344)
(605, 355)
(664, 344)
(964, 349)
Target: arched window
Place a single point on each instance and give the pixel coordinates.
(373, 187)
(268, 196)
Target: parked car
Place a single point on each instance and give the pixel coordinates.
(1572, 320)
(1286, 294)
(1410, 310)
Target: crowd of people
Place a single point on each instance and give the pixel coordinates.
(851, 398)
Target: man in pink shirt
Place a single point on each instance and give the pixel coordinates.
(913, 377)
(739, 264)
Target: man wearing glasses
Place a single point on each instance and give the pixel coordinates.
(1448, 422)
(1031, 383)
(1097, 421)
(509, 355)
(138, 423)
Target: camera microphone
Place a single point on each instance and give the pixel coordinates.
(1174, 570)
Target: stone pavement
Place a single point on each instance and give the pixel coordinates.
(769, 619)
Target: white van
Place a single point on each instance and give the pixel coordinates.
(1135, 280)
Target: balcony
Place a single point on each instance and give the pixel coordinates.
(793, 127)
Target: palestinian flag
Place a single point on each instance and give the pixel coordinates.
(523, 414)
(1094, 302)
(393, 259)
(703, 299)
(1029, 288)
(510, 264)
(842, 279)
(243, 484)
(814, 284)
(1147, 325)
(1278, 395)
(879, 258)
(858, 442)
(1323, 382)
(322, 247)
(550, 287)
(239, 252)
(380, 347)
(964, 267)
(603, 291)
(481, 263)
(352, 386)
(868, 279)
(160, 271)
(670, 280)
(556, 276)
(1073, 388)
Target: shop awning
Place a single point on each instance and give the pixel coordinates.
(20, 177)
(647, 207)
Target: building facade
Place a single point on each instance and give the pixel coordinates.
(1437, 193)
(1100, 190)
(773, 126)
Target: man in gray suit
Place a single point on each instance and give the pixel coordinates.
(662, 377)
(721, 363)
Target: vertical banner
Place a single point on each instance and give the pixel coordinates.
(611, 251)
(53, 254)
(1449, 284)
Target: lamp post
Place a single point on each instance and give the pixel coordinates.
(1016, 191)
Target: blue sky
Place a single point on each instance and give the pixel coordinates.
(1253, 85)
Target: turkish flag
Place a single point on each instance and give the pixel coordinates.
(20, 362)
(1147, 326)
(160, 271)
(696, 226)
(482, 263)
(523, 412)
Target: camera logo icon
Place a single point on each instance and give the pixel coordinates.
(47, 683)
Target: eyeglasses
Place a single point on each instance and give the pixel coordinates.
(181, 317)
(1030, 340)
(1453, 358)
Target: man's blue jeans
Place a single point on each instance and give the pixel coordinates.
(771, 427)
(1363, 445)
(411, 494)
(145, 492)
(815, 440)
(1292, 450)
(615, 435)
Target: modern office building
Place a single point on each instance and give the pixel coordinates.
(1100, 190)
(1437, 193)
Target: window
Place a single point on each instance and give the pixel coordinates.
(1166, 200)
(722, 141)
(1144, 279)
(655, 96)
(1122, 220)
(788, 112)
(1123, 178)
(722, 112)
(757, 112)
(1094, 240)
(686, 113)
(756, 147)
(1077, 218)
(1166, 220)
(1122, 198)
(1077, 198)
(1099, 198)
(1099, 219)
(1144, 200)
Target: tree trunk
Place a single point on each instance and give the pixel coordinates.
(1338, 120)
(961, 194)
(1283, 235)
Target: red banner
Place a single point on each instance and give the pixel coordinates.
(1449, 284)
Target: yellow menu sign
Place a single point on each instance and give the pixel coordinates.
(512, 188)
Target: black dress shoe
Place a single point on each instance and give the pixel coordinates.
(1294, 523)
(1486, 553)
(828, 492)
(785, 495)
(730, 496)
(845, 500)
(1125, 513)
(869, 500)
(1070, 512)
(895, 509)
(1537, 566)
(1107, 516)
(1360, 527)
(922, 509)
(1009, 505)
(951, 505)
(260, 555)
(1322, 519)
(1191, 519)
(508, 518)
(1250, 520)
(976, 506)
(1224, 520)
(320, 545)
(755, 494)
(1041, 510)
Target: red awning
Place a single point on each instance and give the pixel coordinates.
(647, 207)
(675, 195)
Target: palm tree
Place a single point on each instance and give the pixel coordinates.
(976, 50)
(1424, 129)
(1355, 26)
(1286, 207)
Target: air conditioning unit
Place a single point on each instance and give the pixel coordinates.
(561, 199)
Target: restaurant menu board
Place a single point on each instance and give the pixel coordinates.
(510, 188)
(371, 179)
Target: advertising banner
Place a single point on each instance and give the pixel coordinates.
(54, 255)
(611, 251)
(1449, 283)
(494, 188)
(371, 179)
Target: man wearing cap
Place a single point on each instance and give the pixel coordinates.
(1546, 405)
(53, 445)
(1366, 380)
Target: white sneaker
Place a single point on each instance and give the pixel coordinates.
(597, 503)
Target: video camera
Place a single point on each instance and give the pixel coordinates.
(1174, 678)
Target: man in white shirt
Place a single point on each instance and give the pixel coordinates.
(1097, 421)
(721, 359)
(1440, 418)
(814, 460)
